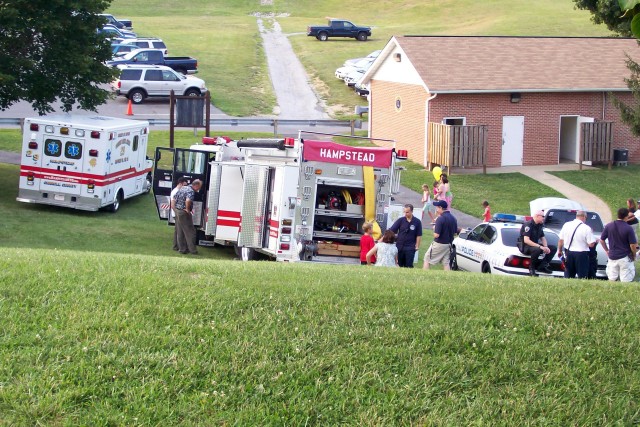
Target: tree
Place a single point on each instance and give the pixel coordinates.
(50, 51)
(609, 13)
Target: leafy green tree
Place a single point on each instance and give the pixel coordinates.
(50, 51)
(609, 13)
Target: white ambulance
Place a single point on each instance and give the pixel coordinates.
(290, 199)
(84, 162)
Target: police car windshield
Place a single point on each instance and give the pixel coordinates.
(556, 218)
(510, 237)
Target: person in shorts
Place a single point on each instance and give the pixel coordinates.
(443, 233)
(620, 243)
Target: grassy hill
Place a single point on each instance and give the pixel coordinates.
(95, 339)
(223, 36)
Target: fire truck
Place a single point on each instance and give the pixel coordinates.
(292, 199)
(83, 162)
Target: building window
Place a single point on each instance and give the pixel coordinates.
(454, 121)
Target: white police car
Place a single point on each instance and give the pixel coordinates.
(490, 247)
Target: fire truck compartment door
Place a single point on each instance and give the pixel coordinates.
(62, 165)
(213, 196)
(253, 223)
(163, 181)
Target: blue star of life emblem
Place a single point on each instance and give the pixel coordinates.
(109, 156)
(52, 147)
(73, 150)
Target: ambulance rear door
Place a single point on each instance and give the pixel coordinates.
(62, 165)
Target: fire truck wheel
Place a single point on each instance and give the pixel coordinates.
(116, 203)
(245, 254)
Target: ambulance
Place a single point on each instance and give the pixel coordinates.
(84, 162)
(291, 199)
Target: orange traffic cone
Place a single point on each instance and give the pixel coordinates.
(130, 109)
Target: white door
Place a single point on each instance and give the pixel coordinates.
(512, 140)
(581, 119)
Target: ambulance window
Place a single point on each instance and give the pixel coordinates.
(52, 148)
(135, 143)
(73, 150)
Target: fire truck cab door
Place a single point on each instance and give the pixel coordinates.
(254, 223)
(194, 164)
(62, 155)
(163, 171)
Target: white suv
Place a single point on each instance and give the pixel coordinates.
(148, 43)
(138, 82)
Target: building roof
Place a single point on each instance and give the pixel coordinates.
(459, 64)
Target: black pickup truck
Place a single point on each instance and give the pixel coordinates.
(182, 64)
(339, 28)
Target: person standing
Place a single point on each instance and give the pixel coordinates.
(366, 243)
(181, 182)
(621, 248)
(385, 252)
(184, 217)
(443, 233)
(576, 237)
(409, 235)
(535, 244)
(427, 204)
(486, 216)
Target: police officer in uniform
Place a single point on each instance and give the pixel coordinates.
(535, 244)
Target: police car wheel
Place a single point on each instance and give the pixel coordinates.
(453, 260)
(486, 268)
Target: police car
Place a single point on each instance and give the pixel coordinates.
(490, 247)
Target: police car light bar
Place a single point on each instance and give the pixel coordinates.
(503, 217)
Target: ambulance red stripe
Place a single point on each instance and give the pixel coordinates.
(81, 178)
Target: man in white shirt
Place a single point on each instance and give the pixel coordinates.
(576, 237)
(181, 182)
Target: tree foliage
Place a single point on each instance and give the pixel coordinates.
(50, 51)
(609, 13)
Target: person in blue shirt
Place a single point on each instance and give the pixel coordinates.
(409, 235)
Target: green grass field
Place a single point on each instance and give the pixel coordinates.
(89, 339)
(224, 37)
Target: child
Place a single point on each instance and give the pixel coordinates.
(427, 204)
(486, 217)
(366, 243)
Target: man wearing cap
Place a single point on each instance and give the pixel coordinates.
(535, 244)
(576, 237)
(409, 235)
(443, 233)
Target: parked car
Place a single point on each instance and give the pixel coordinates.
(127, 33)
(149, 43)
(372, 55)
(339, 28)
(121, 49)
(490, 247)
(361, 89)
(558, 211)
(113, 33)
(137, 82)
(118, 22)
(343, 71)
(182, 64)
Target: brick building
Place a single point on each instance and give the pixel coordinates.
(532, 93)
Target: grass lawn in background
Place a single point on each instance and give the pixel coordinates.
(224, 37)
(106, 339)
(613, 186)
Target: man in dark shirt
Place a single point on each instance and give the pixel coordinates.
(443, 233)
(409, 235)
(184, 217)
(535, 244)
(621, 248)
